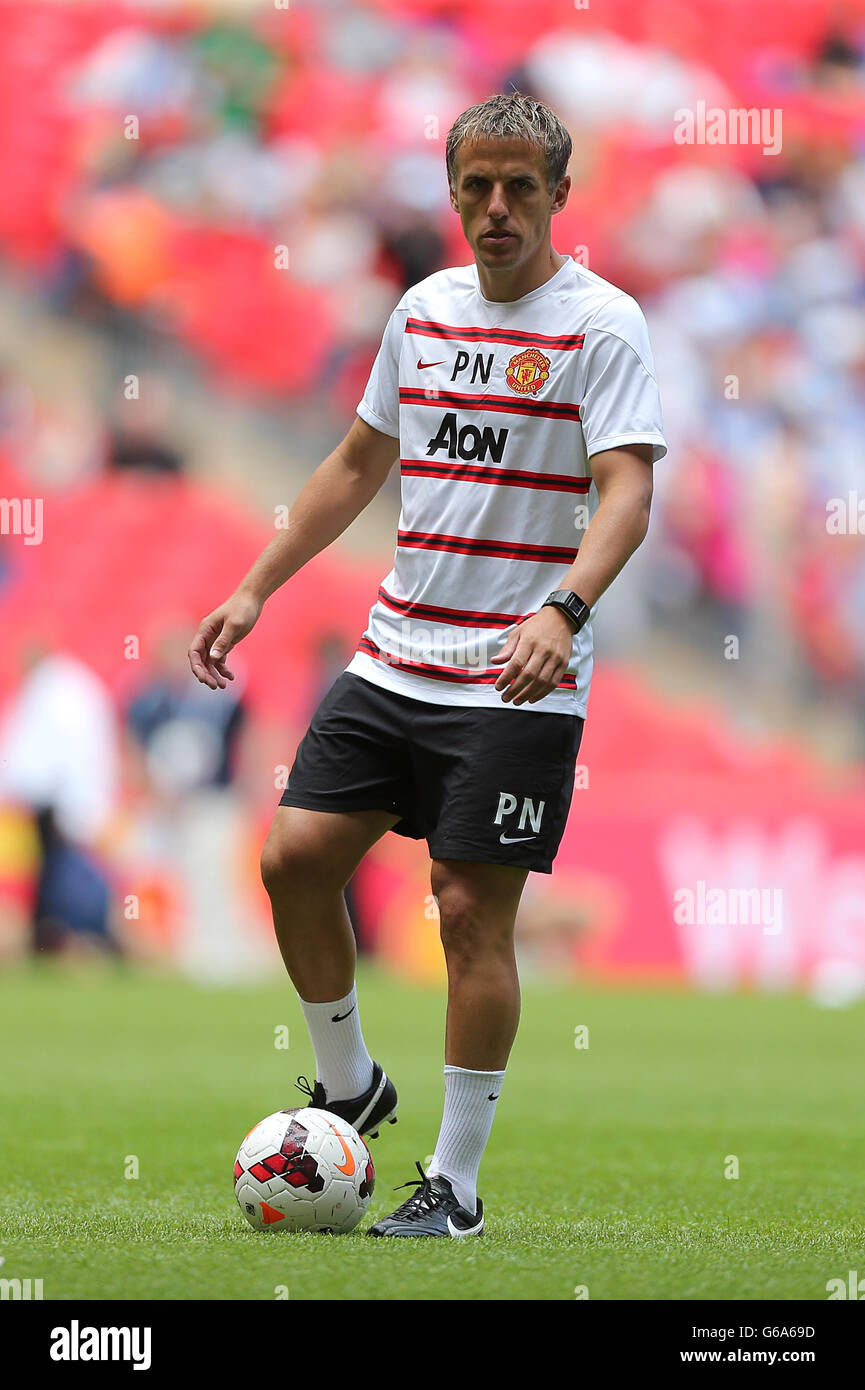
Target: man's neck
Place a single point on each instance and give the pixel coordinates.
(504, 286)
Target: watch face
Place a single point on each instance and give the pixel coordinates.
(571, 603)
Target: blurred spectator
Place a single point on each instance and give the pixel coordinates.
(58, 761)
(72, 894)
(58, 745)
(186, 755)
(139, 438)
(187, 738)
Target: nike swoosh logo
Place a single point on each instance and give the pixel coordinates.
(337, 1018)
(493, 1097)
(349, 1166)
(520, 839)
(458, 1231)
(422, 366)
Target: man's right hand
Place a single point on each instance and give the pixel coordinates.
(219, 632)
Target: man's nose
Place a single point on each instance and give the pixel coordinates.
(498, 204)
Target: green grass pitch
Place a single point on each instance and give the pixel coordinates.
(605, 1170)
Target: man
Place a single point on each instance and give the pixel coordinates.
(59, 761)
(510, 387)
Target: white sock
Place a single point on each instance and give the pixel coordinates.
(342, 1062)
(470, 1107)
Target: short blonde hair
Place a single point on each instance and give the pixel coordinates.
(513, 116)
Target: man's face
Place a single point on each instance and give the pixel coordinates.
(503, 200)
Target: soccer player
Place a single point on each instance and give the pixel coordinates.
(520, 394)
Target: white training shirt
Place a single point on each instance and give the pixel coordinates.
(498, 409)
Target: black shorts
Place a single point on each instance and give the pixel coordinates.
(490, 785)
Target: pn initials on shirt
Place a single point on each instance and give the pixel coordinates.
(482, 368)
(530, 813)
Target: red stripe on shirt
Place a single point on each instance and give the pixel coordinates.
(445, 673)
(476, 545)
(428, 328)
(507, 477)
(464, 617)
(510, 405)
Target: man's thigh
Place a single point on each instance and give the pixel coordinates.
(355, 753)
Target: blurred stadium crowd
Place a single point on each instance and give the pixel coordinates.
(258, 184)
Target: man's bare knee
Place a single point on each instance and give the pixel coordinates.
(295, 857)
(283, 865)
(469, 930)
(317, 852)
(459, 921)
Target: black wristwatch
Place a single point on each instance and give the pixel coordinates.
(571, 604)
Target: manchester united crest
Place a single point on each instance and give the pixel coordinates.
(527, 372)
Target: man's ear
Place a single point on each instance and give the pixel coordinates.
(454, 204)
(560, 197)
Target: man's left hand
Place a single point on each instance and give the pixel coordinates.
(535, 657)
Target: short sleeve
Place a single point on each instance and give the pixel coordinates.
(620, 403)
(379, 405)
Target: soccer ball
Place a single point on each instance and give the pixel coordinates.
(303, 1170)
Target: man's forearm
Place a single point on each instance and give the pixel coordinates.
(537, 652)
(616, 530)
(336, 493)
